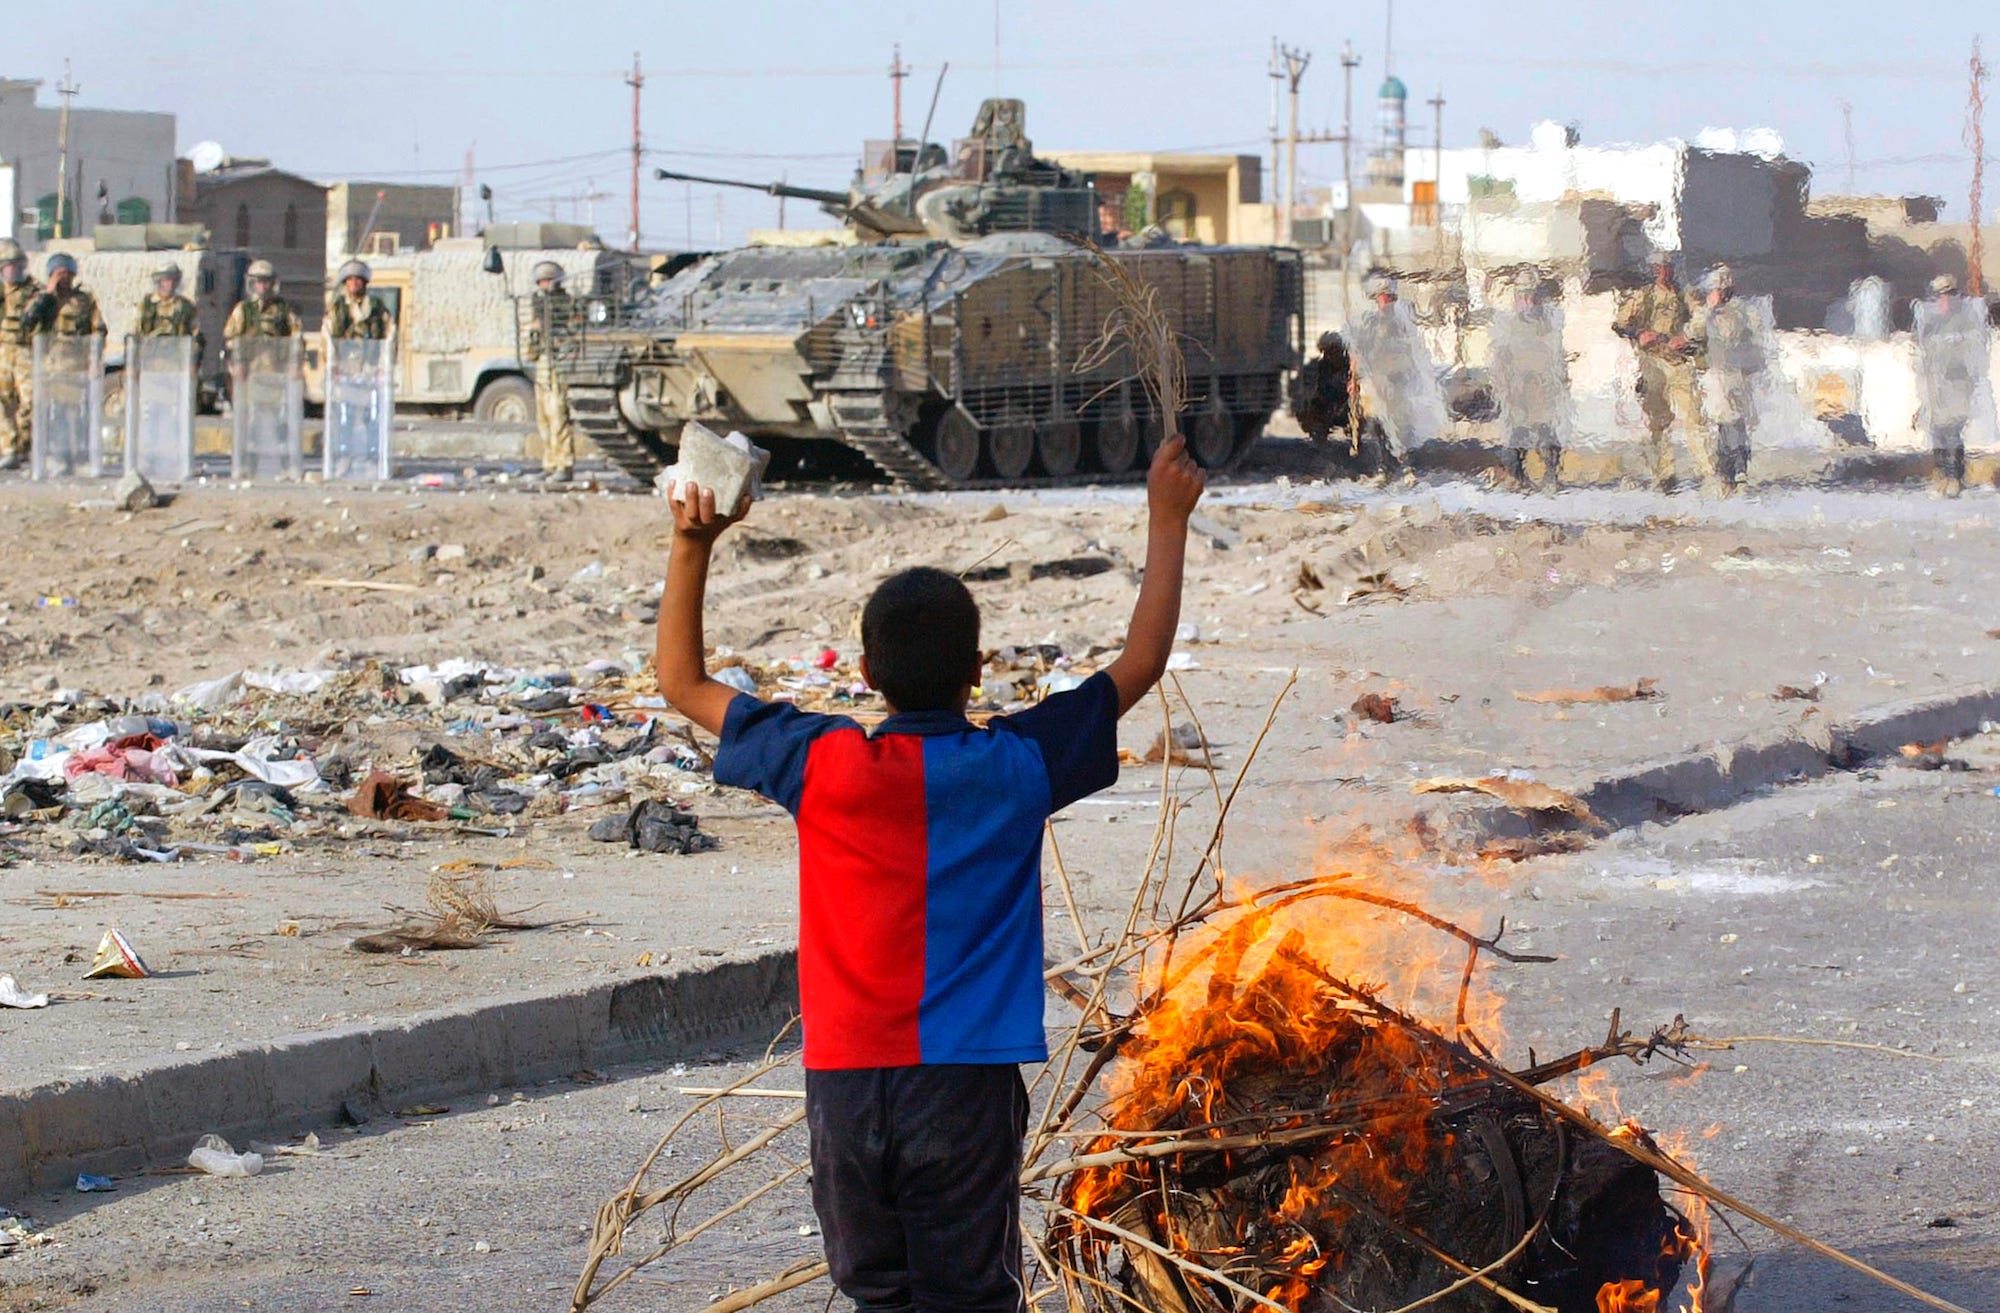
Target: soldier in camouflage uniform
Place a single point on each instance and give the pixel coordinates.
(352, 314)
(166, 313)
(261, 313)
(554, 312)
(63, 309)
(1953, 389)
(17, 376)
(1656, 322)
(1730, 354)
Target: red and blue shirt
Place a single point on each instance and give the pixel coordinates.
(920, 856)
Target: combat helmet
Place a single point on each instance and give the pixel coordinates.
(167, 270)
(547, 269)
(352, 269)
(261, 269)
(10, 251)
(60, 262)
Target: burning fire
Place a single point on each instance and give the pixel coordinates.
(1328, 1009)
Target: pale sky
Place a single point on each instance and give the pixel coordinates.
(537, 90)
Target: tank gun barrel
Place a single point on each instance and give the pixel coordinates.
(839, 198)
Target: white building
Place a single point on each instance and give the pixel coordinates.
(121, 166)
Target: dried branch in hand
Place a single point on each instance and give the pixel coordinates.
(1138, 323)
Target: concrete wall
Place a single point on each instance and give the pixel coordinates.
(131, 153)
(408, 212)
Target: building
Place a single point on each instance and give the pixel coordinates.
(1385, 162)
(121, 166)
(366, 218)
(1213, 199)
(248, 205)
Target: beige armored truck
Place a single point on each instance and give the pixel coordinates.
(461, 332)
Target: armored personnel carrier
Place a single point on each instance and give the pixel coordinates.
(954, 337)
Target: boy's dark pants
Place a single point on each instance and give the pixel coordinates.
(916, 1180)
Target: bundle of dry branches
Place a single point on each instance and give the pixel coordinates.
(1138, 325)
(1268, 1193)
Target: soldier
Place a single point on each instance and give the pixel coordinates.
(63, 309)
(1656, 321)
(1729, 350)
(1530, 378)
(261, 312)
(1951, 334)
(1322, 402)
(351, 313)
(166, 313)
(554, 312)
(1399, 394)
(17, 369)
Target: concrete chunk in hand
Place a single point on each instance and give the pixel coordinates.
(729, 467)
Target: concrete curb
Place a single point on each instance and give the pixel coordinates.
(1726, 774)
(118, 1122)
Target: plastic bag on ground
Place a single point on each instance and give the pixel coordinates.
(13, 996)
(213, 1154)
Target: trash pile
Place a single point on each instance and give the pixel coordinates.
(252, 765)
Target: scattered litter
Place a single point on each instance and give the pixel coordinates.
(88, 1184)
(133, 493)
(13, 996)
(1930, 756)
(1182, 661)
(1793, 693)
(1640, 692)
(212, 1154)
(1186, 748)
(1376, 707)
(655, 827)
(384, 797)
(737, 678)
(116, 957)
(461, 913)
(1522, 795)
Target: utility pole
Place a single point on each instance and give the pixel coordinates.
(1975, 129)
(1295, 69)
(1277, 175)
(1847, 133)
(1349, 61)
(636, 81)
(898, 70)
(67, 90)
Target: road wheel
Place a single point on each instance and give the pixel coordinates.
(957, 445)
(1212, 439)
(508, 399)
(1117, 441)
(1059, 443)
(1012, 447)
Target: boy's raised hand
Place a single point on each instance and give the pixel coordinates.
(696, 517)
(1174, 483)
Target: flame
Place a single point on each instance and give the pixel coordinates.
(1246, 996)
(1627, 1297)
(1690, 1242)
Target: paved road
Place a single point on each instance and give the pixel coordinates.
(1855, 909)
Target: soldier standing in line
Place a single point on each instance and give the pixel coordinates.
(261, 312)
(1730, 354)
(352, 314)
(1531, 378)
(554, 312)
(64, 309)
(1655, 320)
(1399, 396)
(1952, 353)
(164, 312)
(17, 366)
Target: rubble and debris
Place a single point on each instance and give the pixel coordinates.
(115, 956)
(1377, 707)
(134, 493)
(1641, 691)
(13, 996)
(214, 1155)
(1521, 795)
(89, 1184)
(730, 467)
(1185, 748)
(655, 827)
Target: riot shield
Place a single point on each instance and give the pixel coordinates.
(1398, 380)
(69, 407)
(159, 407)
(267, 405)
(1529, 373)
(1954, 386)
(359, 410)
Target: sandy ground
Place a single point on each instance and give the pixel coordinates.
(1447, 597)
